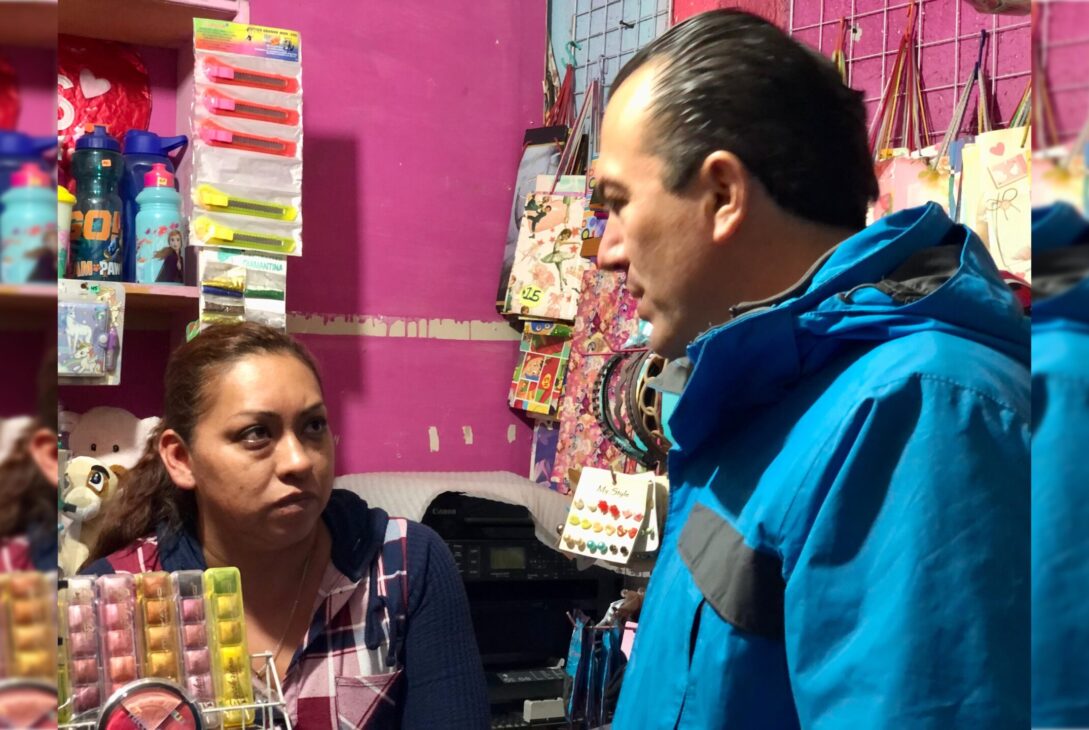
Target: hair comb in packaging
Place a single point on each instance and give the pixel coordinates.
(221, 202)
(218, 136)
(213, 233)
(220, 104)
(224, 73)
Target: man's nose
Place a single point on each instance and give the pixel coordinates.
(611, 254)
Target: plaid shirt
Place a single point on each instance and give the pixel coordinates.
(15, 554)
(349, 672)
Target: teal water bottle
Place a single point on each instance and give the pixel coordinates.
(97, 167)
(28, 227)
(160, 241)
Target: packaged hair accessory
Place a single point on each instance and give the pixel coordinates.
(90, 330)
(247, 138)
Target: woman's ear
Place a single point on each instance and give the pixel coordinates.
(176, 458)
(43, 449)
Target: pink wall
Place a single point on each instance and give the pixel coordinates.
(777, 11)
(414, 116)
(162, 73)
(1064, 36)
(36, 71)
(411, 148)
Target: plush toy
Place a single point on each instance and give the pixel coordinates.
(113, 435)
(104, 443)
(86, 487)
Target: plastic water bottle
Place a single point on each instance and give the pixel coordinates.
(97, 167)
(28, 227)
(17, 149)
(142, 151)
(158, 229)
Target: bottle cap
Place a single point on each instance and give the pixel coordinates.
(98, 139)
(158, 177)
(30, 175)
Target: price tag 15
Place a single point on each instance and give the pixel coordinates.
(530, 295)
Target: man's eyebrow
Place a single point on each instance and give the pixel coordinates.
(609, 187)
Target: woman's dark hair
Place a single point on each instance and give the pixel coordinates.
(28, 497)
(148, 497)
(728, 80)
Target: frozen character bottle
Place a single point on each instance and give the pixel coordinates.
(65, 202)
(17, 149)
(159, 229)
(97, 167)
(143, 150)
(28, 227)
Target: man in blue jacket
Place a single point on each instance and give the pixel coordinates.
(1060, 471)
(847, 544)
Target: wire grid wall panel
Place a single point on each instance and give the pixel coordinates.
(1064, 53)
(948, 32)
(609, 32)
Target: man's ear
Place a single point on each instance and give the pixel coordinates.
(43, 449)
(176, 458)
(726, 182)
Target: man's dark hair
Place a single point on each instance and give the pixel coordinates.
(728, 80)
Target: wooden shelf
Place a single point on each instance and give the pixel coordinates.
(165, 23)
(160, 306)
(28, 23)
(27, 306)
(152, 306)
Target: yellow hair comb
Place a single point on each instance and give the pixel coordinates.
(217, 234)
(219, 201)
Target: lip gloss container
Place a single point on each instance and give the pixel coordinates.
(227, 632)
(33, 639)
(158, 620)
(194, 652)
(116, 595)
(80, 625)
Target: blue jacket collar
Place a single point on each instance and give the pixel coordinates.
(753, 360)
(1060, 251)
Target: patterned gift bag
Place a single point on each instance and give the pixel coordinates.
(605, 321)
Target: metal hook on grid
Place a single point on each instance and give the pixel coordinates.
(572, 46)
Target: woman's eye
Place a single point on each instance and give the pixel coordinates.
(317, 426)
(256, 434)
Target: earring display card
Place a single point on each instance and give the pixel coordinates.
(242, 287)
(611, 516)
